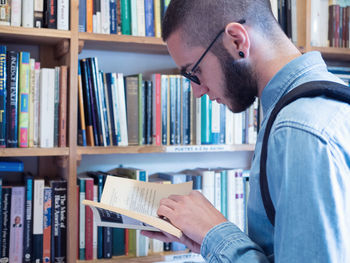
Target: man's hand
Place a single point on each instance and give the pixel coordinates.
(193, 214)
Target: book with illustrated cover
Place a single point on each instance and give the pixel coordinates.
(127, 203)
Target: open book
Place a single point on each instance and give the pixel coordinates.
(127, 203)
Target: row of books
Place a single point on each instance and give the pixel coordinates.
(118, 110)
(33, 221)
(127, 17)
(33, 102)
(35, 13)
(330, 23)
(226, 189)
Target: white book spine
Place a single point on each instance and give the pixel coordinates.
(27, 13)
(134, 31)
(209, 186)
(198, 121)
(215, 117)
(319, 23)
(229, 127)
(81, 221)
(16, 12)
(231, 204)
(294, 21)
(99, 22)
(94, 233)
(238, 128)
(63, 14)
(239, 197)
(217, 201)
(141, 28)
(105, 17)
(38, 207)
(157, 246)
(114, 90)
(122, 111)
(36, 103)
(94, 24)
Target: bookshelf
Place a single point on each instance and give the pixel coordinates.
(62, 48)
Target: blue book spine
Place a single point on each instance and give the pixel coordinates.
(0, 215)
(186, 111)
(164, 102)
(82, 16)
(178, 110)
(11, 166)
(224, 193)
(113, 16)
(104, 109)
(112, 107)
(5, 229)
(12, 98)
(149, 18)
(83, 131)
(222, 137)
(206, 137)
(28, 230)
(118, 242)
(3, 87)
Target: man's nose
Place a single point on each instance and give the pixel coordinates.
(198, 90)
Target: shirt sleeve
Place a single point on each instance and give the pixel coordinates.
(308, 175)
(227, 243)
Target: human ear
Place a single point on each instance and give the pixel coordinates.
(236, 40)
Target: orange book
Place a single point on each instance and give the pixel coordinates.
(89, 14)
(47, 225)
(62, 123)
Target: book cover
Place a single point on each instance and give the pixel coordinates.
(56, 105)
(12, 98)
(12, 165)
(164, 108)
(125, 17)
(28, 13)
(5, 222)
(108, 110)
(5, 11)
(50, 17)
(81, 109)
(38, 13)
(122, 112)
(134, 18)
(16, 225)
(119, 17)
(3, 93)
(82, 16)
(62, 117)
(118, 242)
(113, 106)
(206, 120)
(215, 122)
(178, 110)
(31, 103)
(222, 135)
(89, 16)
(95, 227)
(63, 14)
(141, 109)
(28, 221)
(16, 12)
(157, 19)
(81, 183)
(47, 222)
(59, 221)
(38, 220)
(123, 206)
(113, 17)
(156, 110)
(104, 110)
(89, 195)
(186, 111)
(24, 83)
(148, 112)
(132, 90)
(149, 18)
(105, 19)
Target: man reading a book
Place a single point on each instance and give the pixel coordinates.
(234, 51)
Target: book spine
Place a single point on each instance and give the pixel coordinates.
(3, 91)
(16, 12)
(122, 114)
(215, 123)
(38, 13)
(36, 103)
(104, 111)
(81, 108)
(31, 103)
(125, 17)
(38, 220)
(89, 195)
(112, 105)
(157, 110)
(172, 95)
(82, 16)
(105, 17)
(56, 104)
(113, 16)
(89, 15)
(16, 230)
(141, 109)
(186, 111)
(198, 120)
(62, 119)
(82, 217)
(164, 108)
(132, 91)
(149, 112)
(24, 83)
(206, 111)
(5, 221)
(217, 190)
(118, 242)
(119, 17)
(157, 19)
(224, 193)
(108, 110)
(149, 18)
(51, 13)
(134, 18)
(107, 242)
(47, 224)
(164, 6)
(209, 185)
(12, 99)
(28, 221)
(178, 110)
(1, 225)
(222, 124)
(63, 14)
(28, 13)
(94, 225)
(5, 11)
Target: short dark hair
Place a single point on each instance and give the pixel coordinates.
(201, 20)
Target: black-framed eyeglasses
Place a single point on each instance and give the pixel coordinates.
(189, 74)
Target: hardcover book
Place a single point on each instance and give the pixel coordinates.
(3, 81)
(133, 204)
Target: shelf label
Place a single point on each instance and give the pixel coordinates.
(198, 148)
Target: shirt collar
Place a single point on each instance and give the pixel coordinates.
(283, 81)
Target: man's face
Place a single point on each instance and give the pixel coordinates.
(222, 78)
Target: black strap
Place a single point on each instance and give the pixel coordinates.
(328, 89)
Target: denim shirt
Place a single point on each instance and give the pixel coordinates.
(308, 171)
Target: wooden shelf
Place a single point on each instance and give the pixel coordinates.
(21, 152)
(23, 35)
(123, 43)
(164, 149)
(332, 53)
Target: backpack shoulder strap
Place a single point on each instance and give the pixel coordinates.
(328, 89)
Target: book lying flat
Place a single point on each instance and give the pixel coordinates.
(127, 203)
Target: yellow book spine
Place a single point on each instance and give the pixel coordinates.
(31, 103)
(157, 19)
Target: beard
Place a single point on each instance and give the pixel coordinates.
(241, 86)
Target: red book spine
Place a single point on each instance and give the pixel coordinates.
(62, 126)
(343, 10)
(89, 195)
(158, 110)
(337, 26)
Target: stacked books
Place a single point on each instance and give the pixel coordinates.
(123, 17)
(35, 13)
(33, 102)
